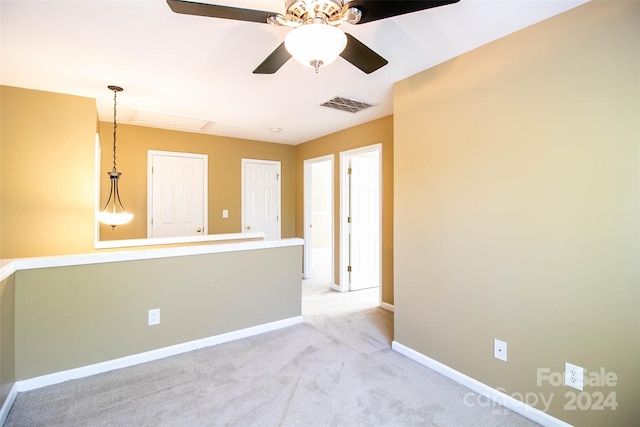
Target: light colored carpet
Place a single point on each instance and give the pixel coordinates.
(336, 369)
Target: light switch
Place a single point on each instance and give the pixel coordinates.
(500, 350)
(225, 213)
(154, 317)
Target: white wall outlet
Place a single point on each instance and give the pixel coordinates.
(500, 350)
(573, 376)
(225, 213)
(154, 317)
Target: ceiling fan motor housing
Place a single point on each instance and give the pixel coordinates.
(302, 10)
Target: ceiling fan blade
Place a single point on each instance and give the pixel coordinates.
(372, 10)
(274, 61)
(362, 56)
(217, 11)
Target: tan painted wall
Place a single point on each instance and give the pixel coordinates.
(7, 343)
(377, 131)
(47, 173)
(55, 332)
(225, 156)
(47, 151)
(517, 208)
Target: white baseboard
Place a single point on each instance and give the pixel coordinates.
(484, 390)
(8, 403)
(387, 306)
(148, 356)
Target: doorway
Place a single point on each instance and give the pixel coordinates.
(318, 219)
(361, 225)
(177, 194)
(261, 197)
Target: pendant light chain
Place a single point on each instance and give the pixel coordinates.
(115, 125)
(115, 90)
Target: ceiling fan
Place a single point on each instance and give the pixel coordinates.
(315, 40)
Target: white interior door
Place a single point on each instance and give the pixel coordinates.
(261, 197)
(365, 221)
(177, 194)
(360, 212)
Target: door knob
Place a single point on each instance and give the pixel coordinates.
(199, 229)
(248, 227)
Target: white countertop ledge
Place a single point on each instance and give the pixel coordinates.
(10, 266)
(111, 244)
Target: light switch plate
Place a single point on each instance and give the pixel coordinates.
(154, 317)
(500, 350)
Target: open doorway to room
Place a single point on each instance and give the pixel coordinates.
(341, 314)
(318, 220)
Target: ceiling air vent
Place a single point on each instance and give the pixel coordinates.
(346, 104)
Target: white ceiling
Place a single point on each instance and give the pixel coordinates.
(201, 68)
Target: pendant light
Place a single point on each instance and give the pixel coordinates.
(113, 213)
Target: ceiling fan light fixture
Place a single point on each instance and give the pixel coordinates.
(315, 44)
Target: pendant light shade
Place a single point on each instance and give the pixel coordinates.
(315, 44)
(113, 213)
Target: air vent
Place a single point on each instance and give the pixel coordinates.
(346, 104)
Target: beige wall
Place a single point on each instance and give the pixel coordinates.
(225, 156)
(47, 173)
(374, 132)
(517, 208)
(54, 332)
(47, 145)
(7, 338)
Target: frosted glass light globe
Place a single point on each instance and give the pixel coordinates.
(315, 45)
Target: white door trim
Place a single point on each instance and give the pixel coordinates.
(97, 159)
(205, 191)
(242, 195)
(308, 212)
(344, 213)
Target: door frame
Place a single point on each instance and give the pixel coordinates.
(205, 191)
(307, 197)
(242, 185)
(345, 157)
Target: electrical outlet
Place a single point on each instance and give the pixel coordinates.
(500, 350)
(154, 317)
(573, 376)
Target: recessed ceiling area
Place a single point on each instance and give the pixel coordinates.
(153, 119)
(195, 73)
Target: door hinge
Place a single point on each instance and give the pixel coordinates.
(348, 220)
(348, 269)
(277, 177)
(349, 171)
(151, 221)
